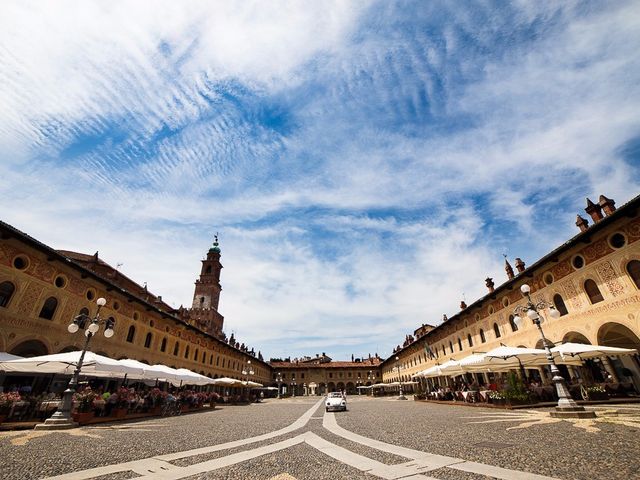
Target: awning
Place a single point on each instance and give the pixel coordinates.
(585, 352)
(93, 365)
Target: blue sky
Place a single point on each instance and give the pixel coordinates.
(365, 163)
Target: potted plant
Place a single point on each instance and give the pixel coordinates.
(6, 402)
(495, 398)
(158, 398)
(83, 400)
(596, 392)
(122, 405)
(516, 393)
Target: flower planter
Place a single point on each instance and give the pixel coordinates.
(157, 410)
(598, 396)
(120, 412)
(82, 417)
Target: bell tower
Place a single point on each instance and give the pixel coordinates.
(207, 292)
(206, 296)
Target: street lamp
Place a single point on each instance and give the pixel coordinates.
(398, 369)
(62, 417)
(371, 377)
(293, 388)
(246, 371)
(279, 380)
(567, 407)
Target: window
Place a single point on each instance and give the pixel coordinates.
(147, 340)
(84, 311)
(450, 347)
(217, 361)
(186, 352)
(6, 292)
(60, 281)
(496, 330)
(514, 327)
(469, 339)
(548, 278)
(204, 357)
(592, 291)
(559, 303)
(578, 262)
(131, 334)
(91, 294)
(211, 359)
(617, 240)
(49, 308)
(208, 270)
(330, 375)
(633, 269)
(195, 355)
(302, 375)
(176, 348)
(482, 337)
(459, 344)
(163, 345)
(20, 262)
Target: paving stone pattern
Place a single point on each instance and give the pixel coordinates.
(565, 450)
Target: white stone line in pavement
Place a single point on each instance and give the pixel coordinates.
(426, 461)
(141, 466)
(227, 461)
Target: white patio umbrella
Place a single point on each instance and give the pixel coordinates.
(585, 352)
(5, 357)
(194, 378)
(168, 374)
(227, 382)
(93, 365)
(507, 358)
(250, 384)
(431, 372)
(451, 367)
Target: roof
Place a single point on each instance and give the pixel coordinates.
(374, 363)
(629, 209)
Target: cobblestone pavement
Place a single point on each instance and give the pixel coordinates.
(377, 438)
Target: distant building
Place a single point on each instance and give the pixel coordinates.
(312, 376)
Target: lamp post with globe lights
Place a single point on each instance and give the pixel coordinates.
(279, 381)
(398, 370)
(247, 371)
(62, 417)
(566, 407)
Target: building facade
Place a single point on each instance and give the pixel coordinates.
(593, 280)
(42, 290)
(318, 377)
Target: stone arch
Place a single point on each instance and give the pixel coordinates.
(575, 337)
(351, 388)
(613, 334)
(331, 387)
(340, 386)
(30, 348)
(540, 345)
(69, 348)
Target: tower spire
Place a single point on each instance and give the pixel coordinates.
(507, 267)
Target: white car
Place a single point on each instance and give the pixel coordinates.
(336, 401)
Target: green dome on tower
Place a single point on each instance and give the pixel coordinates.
(215, 248)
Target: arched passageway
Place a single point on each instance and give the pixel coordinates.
(30, 348)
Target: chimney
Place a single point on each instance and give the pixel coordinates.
(607, 204)
(445, 318)
(519, 265)
(508, 268)
(489, 283)
(463, 305)
(582, 223)
(594, 210)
